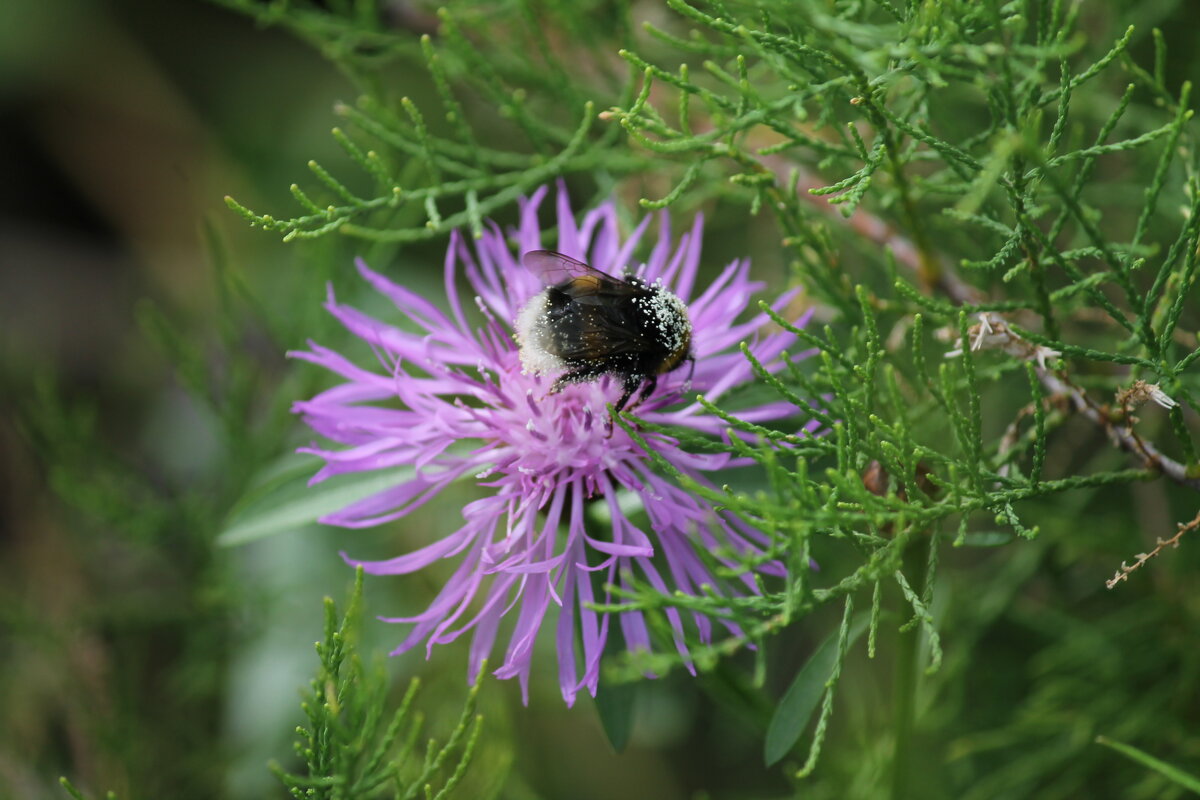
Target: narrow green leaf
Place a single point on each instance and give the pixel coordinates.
(290, 503)
(1171, 773)
(615, 705)
(71, 790)
(797, 706)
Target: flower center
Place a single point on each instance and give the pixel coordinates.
(555, 437)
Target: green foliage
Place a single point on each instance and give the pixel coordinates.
(433, 164)
(351, 748)
(138, 523)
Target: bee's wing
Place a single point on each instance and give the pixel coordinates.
(572, 276)
(602, 325)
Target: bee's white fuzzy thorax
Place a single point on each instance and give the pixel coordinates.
(530, 327)
(671, 319)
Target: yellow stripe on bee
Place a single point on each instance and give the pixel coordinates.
(585, 282)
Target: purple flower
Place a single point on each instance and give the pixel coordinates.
(452, 402)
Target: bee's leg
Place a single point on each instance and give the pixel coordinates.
(631, 385)
(687, 385)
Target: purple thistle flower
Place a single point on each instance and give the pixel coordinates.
(468, 412)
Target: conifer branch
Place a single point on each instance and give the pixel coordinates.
(1056, 382)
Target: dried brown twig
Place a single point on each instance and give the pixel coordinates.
(1012, 434)
(1141, 558)
(1121, 435)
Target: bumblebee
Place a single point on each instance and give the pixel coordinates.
(587, 324)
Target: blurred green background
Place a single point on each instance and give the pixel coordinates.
(137, 656)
